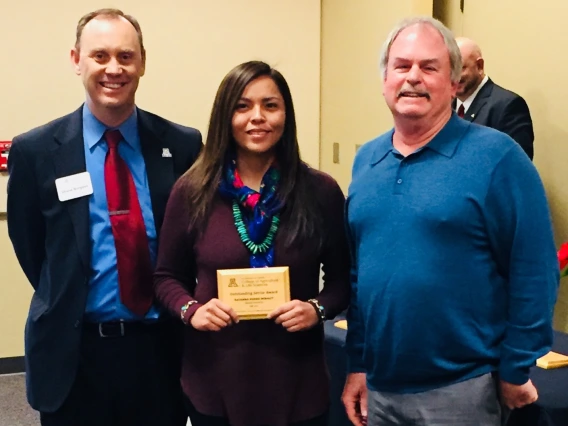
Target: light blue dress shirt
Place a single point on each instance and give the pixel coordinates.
(103, 301)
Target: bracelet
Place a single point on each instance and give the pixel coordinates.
(320, 310)
(184, 309)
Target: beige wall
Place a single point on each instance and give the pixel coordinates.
(352, 107)
(191, 45)
(448, 11)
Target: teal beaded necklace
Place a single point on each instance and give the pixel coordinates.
(242, 230)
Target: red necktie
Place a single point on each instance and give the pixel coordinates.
(461, 111)
(130, 239)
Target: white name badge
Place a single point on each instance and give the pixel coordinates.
(74, 186)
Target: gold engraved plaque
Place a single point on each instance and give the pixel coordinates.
(254, 292)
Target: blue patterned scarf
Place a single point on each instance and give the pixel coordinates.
(257, 210)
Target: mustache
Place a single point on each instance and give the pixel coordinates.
(411, 92)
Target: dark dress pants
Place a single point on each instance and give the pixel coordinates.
(128, 378)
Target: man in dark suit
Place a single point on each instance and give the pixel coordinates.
(484, 102)
(86, 200)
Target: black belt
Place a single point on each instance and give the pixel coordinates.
(121, 328)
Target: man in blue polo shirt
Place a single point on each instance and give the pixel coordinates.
(454, 266)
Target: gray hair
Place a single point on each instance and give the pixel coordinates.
(447, 35)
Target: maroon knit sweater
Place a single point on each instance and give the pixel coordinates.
(254, 372)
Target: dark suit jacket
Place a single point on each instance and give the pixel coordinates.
(503, 110)
(52, 238)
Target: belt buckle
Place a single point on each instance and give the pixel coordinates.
(102, 334)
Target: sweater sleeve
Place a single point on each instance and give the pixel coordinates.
(174, 275)
(335, 260)
(521, 237)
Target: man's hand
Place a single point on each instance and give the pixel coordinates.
(213, 316)
(517, 396)
(295, 315)
(355, 398)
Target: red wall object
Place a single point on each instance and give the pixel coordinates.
(4, 150)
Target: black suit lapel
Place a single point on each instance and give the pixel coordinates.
(159, 164)
(479, 102)
(68, 156)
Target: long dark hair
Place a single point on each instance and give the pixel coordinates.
(301, 213)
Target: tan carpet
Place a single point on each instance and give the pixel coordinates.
(14, 409)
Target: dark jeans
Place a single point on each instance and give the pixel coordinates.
(130, 380)
(198, 419)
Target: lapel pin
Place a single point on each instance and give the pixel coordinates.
(472, 115)
(166, 153)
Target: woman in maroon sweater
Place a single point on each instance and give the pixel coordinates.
(250, 185)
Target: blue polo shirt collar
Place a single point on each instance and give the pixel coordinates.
(442, 143)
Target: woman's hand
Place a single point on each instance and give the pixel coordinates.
(213, 316)
(295, 315)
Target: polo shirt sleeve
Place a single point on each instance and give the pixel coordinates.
(355, 340)
(521, 238)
